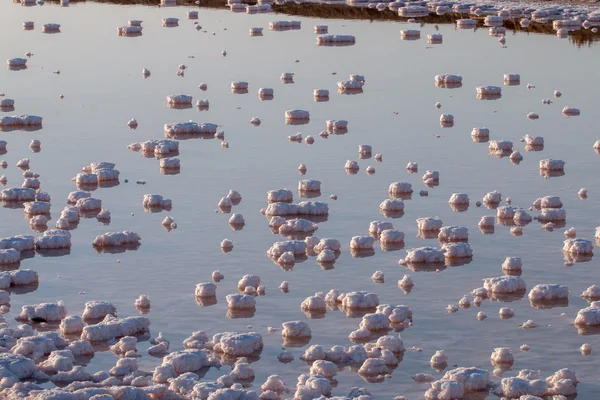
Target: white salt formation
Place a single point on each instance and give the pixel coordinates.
(428, 255)
(546, 292)
(115, 239)
(504, 284)
(453, 234)
(552, 165)
(429, 224)
(155, 201)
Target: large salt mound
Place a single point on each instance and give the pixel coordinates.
(112, 327)
(296, 247)
(425, 255)
(238, 344)
(453, 234)
(53, 239)
(49, 312)
(544, 292)
(473, 379)
(18, 194)
(578, 246)
(19, 243)
(114, 239)
(504, 284)
(190, 128)
(359, 300)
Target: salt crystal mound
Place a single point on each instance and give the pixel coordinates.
(578, 246)
(184, 361)
(95, 166)
(480, 133)
(9, 256)
(265, 93)
(552, 165)
(295, 247)
(238, 344)
(457, 250)
(453, 234)
(53, 239)
(297, 226)
(326, 244)
(391, 236)
(284, 25)
(280, 196)
(521, 388)
(500, 146)
(321, 93)
(410, 34)
(23, 121)
(240, 301)
(313, 208)
(179, 99)
(170, 21)
(190, 128)
(47, 312)
(448, 80)
(333, 40)
(459, 199)
(295, 330)
(473, 379)
(504, 285)
(400, 188)
(36, 208)
(16, 367)
(591, 293)
(376, 227)
(435, 38)
(23, 277)
(390, 205)
(425, 255)
(548, 292)
(570, 111)
(337, 126)
(300, 115)
(505, 212)
(309, 185)
(552, 214)
(429, 224)
(320, 29)
(362, 243)
(445, 389)
(548, 202)
(169, 163)
(589, 316)
(492, 197)
(89, 204)
(19, 243)
(158, 147)
(533, 142)
(310, 387)
(112, 328)
(350, 86)
(50, 28)
(358, 300)
(512, 79)
(129, 30)
(156, 202)
(502, 355)
(17, 195)
(512, 264)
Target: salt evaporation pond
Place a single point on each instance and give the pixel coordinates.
(103, 89)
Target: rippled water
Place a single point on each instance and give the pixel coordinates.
(100, 77)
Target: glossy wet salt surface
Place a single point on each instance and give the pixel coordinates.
(100, 77)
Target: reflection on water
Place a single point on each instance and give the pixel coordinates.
(395, 114)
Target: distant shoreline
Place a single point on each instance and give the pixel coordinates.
(342, 11)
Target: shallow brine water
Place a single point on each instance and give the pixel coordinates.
(100, 78)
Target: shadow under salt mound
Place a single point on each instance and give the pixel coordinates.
(117, 249)
(549, 304)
